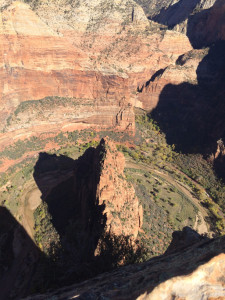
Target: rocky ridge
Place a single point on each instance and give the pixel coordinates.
(99, 180)
(194, 272)
(123, 213)
(96, 196)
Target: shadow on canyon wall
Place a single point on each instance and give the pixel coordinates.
(68, 189)
(192, 116)
(198, 24)
(69, 228)
(206, 27)
(176, 13)
(85, 251)
(76, 219)
(18, 258)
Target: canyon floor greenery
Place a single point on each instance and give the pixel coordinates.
(164, 180)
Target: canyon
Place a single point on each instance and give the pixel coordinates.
(45, 57)
(111, 144)
(57, 61)
(78, 215)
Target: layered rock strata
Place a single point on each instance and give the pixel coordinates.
(95, 53)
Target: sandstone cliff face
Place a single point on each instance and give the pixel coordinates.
(100, 58)
(105, 183)
(185, 70)
(122, 210)
(94, 52)
(195, 272)
(37, 61)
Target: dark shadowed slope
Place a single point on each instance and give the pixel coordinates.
(192, 116)
(199, 267)
(18, 258)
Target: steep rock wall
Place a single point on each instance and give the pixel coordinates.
(105, 183)
(57, 49)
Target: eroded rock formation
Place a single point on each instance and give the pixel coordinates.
(92, 202)
(98, 193)
(92, 54)
(62, 54)
(185, 70)
(123, 212)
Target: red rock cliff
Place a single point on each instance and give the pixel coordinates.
(122, 209)
(96, 54)
(104, 184)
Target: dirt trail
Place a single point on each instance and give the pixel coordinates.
(200, 225)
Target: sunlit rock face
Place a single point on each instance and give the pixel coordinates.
(94, 53)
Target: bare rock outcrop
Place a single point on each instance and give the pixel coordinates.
(89, 218)
(185, 70)
(172, 10)
(220, 151)
(105, 181)
(93, 201)
(194, 272)
(122, 209)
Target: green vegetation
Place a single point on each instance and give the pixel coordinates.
(166, 209)
(21, 147)
(45, 236)
(162, 156)
(47, 104)
(13, 182)
(64, 140)
(202, 172)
